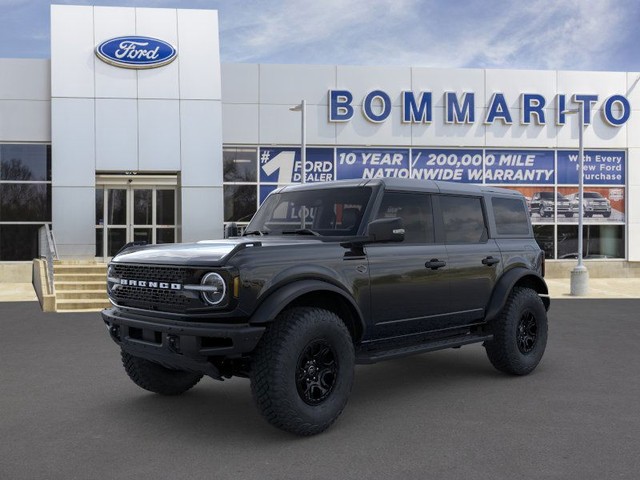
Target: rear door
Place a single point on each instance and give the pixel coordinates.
(474, 260)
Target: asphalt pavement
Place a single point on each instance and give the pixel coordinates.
(68, 411)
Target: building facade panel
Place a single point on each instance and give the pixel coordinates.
(159, 135)
(200, 55)
(72, 44)
(155, 83)
(243, 84)
(289, 85)
(201, 138)
(241, 123)
(25, 120)
(25, 79)
(202, 217)
(116, 134)
(111, 22)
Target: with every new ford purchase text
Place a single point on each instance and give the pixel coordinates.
(326, 276)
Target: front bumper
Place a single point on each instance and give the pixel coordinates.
(180, 345)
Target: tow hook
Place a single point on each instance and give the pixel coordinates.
(174, 343)
(114, 331)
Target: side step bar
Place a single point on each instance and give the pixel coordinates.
(368, 356)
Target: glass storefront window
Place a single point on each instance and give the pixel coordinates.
(239, 164)
(239, 202)
(142, 207)
(546, 239)
(165, 207)
(599, 241)
(25, 202)
(99, 206)
(117, 206)
(18, 242)
(25, 163)
(165, 235)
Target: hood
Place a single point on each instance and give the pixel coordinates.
(204, 253)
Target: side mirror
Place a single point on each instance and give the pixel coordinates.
(231, 230)
(386, 230)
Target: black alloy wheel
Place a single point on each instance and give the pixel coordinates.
(316, 372)
(527, 332)
(302, 370)
(519, 333)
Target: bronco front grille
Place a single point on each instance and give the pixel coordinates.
(154, 287)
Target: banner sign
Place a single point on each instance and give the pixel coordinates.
(447, 164)
(372, 163)
(601, 167)
(519, 166)
(283, 165)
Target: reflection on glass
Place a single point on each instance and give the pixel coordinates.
(545, 238)
(99, 242)
(239, 164)
(239, 202)
(18, 242)
(142, 207)
(25, 202)
(599, 241)
(117, 206)
(165, 235)
(165, 207)
(25, 162)
(116, 239)
(100, 206)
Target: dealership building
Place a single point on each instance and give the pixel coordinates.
(134, 131)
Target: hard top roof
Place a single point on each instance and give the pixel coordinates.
(427, 186)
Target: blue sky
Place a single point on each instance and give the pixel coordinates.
(532, 34)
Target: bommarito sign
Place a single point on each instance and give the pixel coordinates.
(459, 108)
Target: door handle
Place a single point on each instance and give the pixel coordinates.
(490, 261)
(435, 264)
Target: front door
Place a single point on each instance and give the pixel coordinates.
(134, 211)
(409, 291)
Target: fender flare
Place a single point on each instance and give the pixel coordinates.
(276, 301)
(505, 284)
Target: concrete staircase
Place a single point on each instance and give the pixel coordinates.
(80, 286)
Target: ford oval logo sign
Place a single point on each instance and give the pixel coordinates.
(136, 52)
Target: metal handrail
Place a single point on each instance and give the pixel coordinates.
(49, 251)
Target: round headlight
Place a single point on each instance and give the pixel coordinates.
(214, 289)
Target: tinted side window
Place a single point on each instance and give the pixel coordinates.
(415, 211)
(463, 219)
(511, 216)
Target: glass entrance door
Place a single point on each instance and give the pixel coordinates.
(128, 213)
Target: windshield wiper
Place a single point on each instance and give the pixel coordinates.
(301, 231)
(255, 232)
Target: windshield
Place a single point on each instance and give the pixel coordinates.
(324, 212)
(592, 195)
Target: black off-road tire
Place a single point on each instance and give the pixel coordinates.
(156, 378)
(280, 370)
(606, 214)
(519, 333)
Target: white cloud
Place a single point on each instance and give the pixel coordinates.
(547, 34)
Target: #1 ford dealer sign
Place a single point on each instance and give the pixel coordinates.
(136, 52)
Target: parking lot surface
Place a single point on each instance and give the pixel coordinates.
(68, 411)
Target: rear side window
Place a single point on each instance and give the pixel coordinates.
(463, 219)
(511, 216)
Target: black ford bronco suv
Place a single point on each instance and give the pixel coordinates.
(324, 277)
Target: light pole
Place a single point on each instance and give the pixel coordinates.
(580, 274)
(302, 107)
